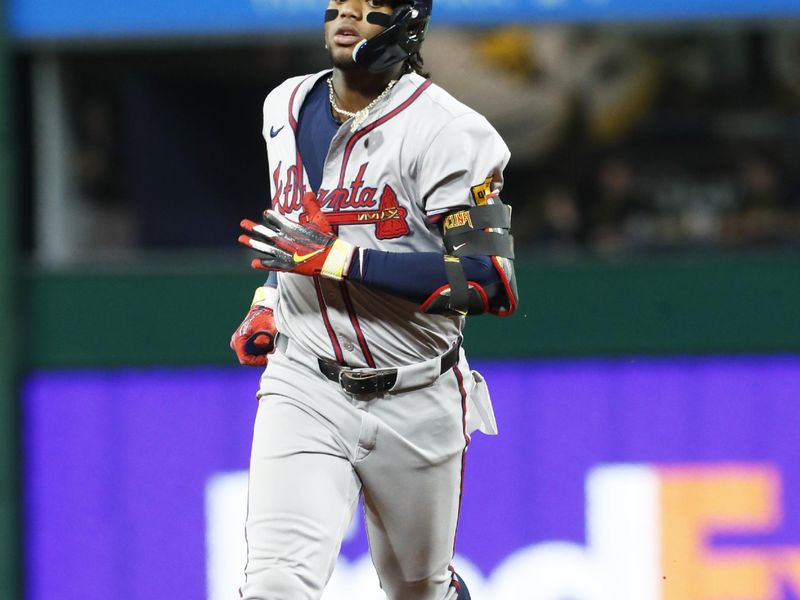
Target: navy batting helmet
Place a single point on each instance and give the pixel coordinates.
(403, 36)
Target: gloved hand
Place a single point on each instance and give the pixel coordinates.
(308, 248)
(254, 339)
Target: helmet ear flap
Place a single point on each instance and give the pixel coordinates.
(403, 35)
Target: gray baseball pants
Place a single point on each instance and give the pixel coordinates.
(316, 449)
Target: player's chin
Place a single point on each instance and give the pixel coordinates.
(343, 60)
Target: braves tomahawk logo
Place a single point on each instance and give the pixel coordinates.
(356, 204)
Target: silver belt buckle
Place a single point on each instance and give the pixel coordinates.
(367, 381)
(354, 377)
(341, 377)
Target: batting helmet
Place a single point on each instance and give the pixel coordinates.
(403, 36)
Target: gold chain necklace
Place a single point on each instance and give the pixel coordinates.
(359, 116)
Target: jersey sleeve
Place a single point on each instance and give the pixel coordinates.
(274, 111)
(267, 112)
(465, 158)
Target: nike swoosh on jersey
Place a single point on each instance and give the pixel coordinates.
(298, 258)
(273, 133)
(459, 247)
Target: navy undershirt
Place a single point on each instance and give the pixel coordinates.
(315, 130)
(413, 276)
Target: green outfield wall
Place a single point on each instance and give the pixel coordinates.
(10, 563)
(181, 315)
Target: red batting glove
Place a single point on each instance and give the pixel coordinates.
(308, 248)
(254, 339)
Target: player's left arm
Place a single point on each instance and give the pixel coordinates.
(460, 177)
(422, 277)
(477, 236)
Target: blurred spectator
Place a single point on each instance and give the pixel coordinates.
(764, 216)
(785, 55)
(561, 223)
(109, 221)
(614, 203)
(95, 159)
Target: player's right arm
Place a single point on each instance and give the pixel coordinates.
(253, 340)
(312, 248)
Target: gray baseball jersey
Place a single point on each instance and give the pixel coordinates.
(420, 154)
(316, 449)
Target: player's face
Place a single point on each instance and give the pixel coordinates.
(350, 27)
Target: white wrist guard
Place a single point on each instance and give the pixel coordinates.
(265, 296)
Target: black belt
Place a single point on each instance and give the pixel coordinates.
(375, 381)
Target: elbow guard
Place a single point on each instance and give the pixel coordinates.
(483, 230)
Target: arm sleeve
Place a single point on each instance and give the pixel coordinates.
(414, 276)
(465, 157)
(272, 280)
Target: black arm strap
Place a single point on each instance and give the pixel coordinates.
(494, 216)
(459, 288)
(481, 243)
(479, 231)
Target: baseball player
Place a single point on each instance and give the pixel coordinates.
(386, 230)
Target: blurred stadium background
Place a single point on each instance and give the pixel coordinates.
(648, 390)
